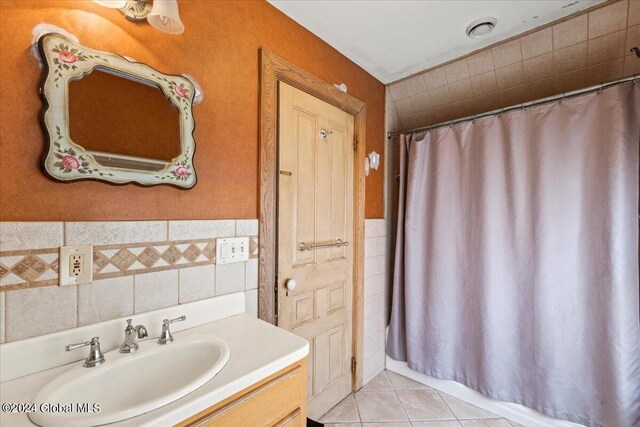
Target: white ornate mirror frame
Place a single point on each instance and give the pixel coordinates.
(63, 159)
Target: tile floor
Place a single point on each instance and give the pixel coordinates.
(392, 400)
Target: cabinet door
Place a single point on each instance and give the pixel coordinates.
(295, 420)
(279, 400)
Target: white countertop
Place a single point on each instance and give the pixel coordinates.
(258, 350)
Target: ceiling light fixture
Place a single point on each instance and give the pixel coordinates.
(481, 27)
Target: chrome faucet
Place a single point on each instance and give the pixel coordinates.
(165, 336)
(95, 357)
(131, 333)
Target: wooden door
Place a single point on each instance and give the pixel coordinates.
(315, 207)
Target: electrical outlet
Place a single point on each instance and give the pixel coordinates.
(232, 249)
(75, 265)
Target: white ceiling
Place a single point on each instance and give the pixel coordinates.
(394, 39)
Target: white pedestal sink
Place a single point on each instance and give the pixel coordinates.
(127, 385)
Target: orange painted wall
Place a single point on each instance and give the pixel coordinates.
(220, 49)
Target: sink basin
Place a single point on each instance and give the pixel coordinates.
(127, 385)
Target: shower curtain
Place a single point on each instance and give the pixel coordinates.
(516, 269)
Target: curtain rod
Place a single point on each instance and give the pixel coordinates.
(564, 95)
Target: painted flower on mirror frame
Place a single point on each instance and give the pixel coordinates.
(182, 171)
(70, 161)
(67, 56)
(67, 59)
(180, 90)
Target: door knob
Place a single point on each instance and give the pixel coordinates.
(291, 284)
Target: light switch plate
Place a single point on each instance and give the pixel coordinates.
(75, 265)
(232, 249)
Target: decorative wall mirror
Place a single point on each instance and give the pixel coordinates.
(107, 118)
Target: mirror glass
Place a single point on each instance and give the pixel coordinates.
(123, 122)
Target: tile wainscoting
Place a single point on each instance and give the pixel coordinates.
(138, 266)
(376, 274)
(145, 265)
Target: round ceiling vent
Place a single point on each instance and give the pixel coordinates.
(481, 27)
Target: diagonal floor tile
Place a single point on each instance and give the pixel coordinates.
(449, 423)
(344, 425)
(379, 406)
(400, 382)
(515, 424)
(393, 424)
(464, 410)
(379, 382)
(495, 422)
(344, 412)
(424, 405)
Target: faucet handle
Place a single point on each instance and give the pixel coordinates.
(70, 347)
(177, 319)
(165, 336)
(95, 357)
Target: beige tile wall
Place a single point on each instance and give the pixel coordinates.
(375, 297)
(36, 307)
(588, 48)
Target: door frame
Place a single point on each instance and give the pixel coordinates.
(274, 69)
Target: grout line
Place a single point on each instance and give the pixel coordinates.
(133, 309)
(78, 303)
(404, 411)
(357, 408)
(445, 402)
(4, 318)
(179, 302)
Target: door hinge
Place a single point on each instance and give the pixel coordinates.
(355, 144)
(353, 365)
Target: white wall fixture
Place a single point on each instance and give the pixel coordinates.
(374, 160)
(341, 86)
(133, 10)
(136, 10)
(113, 4)
(161, 14)
(165, 17)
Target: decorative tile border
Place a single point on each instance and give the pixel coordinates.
(28, 268)
(20, 269)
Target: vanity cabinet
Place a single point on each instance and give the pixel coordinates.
(278, 400)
